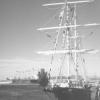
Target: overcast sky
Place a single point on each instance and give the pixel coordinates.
(19, 39)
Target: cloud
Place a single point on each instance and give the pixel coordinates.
(15, 61)
(21, 63)
(9, 67)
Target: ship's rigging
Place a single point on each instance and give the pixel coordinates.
(72, 49)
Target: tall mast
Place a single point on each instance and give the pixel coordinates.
(67, 37)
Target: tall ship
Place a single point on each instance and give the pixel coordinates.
(68, 46)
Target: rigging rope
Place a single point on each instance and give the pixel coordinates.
(58, 33)
(62, 64)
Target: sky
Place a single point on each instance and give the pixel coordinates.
(20, 40)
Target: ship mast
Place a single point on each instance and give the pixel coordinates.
(71, 41)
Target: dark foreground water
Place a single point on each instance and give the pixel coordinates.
(30, 92)
(24, 92)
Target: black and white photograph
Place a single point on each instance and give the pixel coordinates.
(49, 50)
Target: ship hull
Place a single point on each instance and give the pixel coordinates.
(72, 93)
